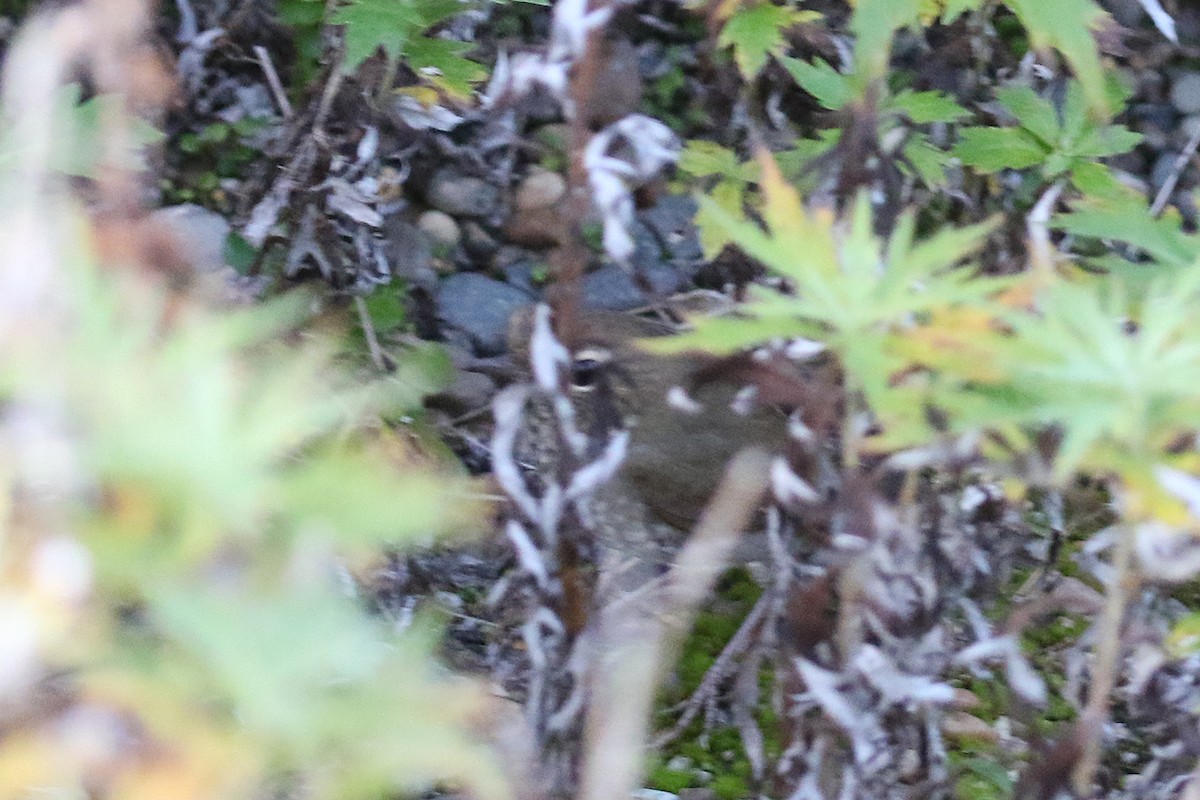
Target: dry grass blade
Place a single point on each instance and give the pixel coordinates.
(640, 633)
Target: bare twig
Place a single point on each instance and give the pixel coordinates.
(721, 669)
(1107, 661)
(1177, 168)
(277, 90)
(380, 359)
(1041, 249)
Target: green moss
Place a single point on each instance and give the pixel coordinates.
(730, 787)
(670, 780)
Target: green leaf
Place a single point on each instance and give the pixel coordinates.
(956, 8)
(1096, 180)
(1119, 392)
(1033, 112)
(831, 89)
(755, 32)
(927, 160)
(1066, 25)
(1109, 140)
(388, 24)
(239, 253)
(927, 107)
(702, 158)
(301, 12)
(874, 23)
(441, 61)
(994, 149)
(77, 151)
(1129, 221)
(386, 309)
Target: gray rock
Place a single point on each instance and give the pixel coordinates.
(1185, 93)
(201, 234)
(480, 245)
(680, 763)
(1127, 12)
(612, 288)
(469, 391)
(462, 195)
(540, 189)
(652, 794)
(528, 276)
(647, 249)
(409, 252)
(440, 227)
(480, 307)
(671, 220)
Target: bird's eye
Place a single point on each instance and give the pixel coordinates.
(586, 368)
(584, 372)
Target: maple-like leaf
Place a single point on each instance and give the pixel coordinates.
(392, 25)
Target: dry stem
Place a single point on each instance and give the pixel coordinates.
(1106, 666)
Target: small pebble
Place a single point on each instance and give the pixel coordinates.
(480, 245)
(409, 252)
(652, 794)
(462, 195)
(540, 189)
(469, 391)
(1185, 93)
(959, 725)
(201, 234)
(680, 763)
(440, 226)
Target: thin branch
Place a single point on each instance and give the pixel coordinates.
(379, 358)
(1177, 167)
(277, 90)
(1041, 249)
(1107, 661)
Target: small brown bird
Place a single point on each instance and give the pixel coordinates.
(683, 431)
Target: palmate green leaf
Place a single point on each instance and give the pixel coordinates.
(755, 32)
(831, 88)
(1066, 25)
(442, 62)
(1128, 219)
(995, 149)
(703, 158)
(392, 25)
(850, 291)
(928, 161)
(356, 499)
(1097, 181)
(1119, 396)
(323, 690)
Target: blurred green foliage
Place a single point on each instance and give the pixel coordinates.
(181, 592)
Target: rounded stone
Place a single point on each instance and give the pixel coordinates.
(201, 234)
(440, 227)
(1185, 93)
(540, 189)
(462, 195)
(479, 307)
